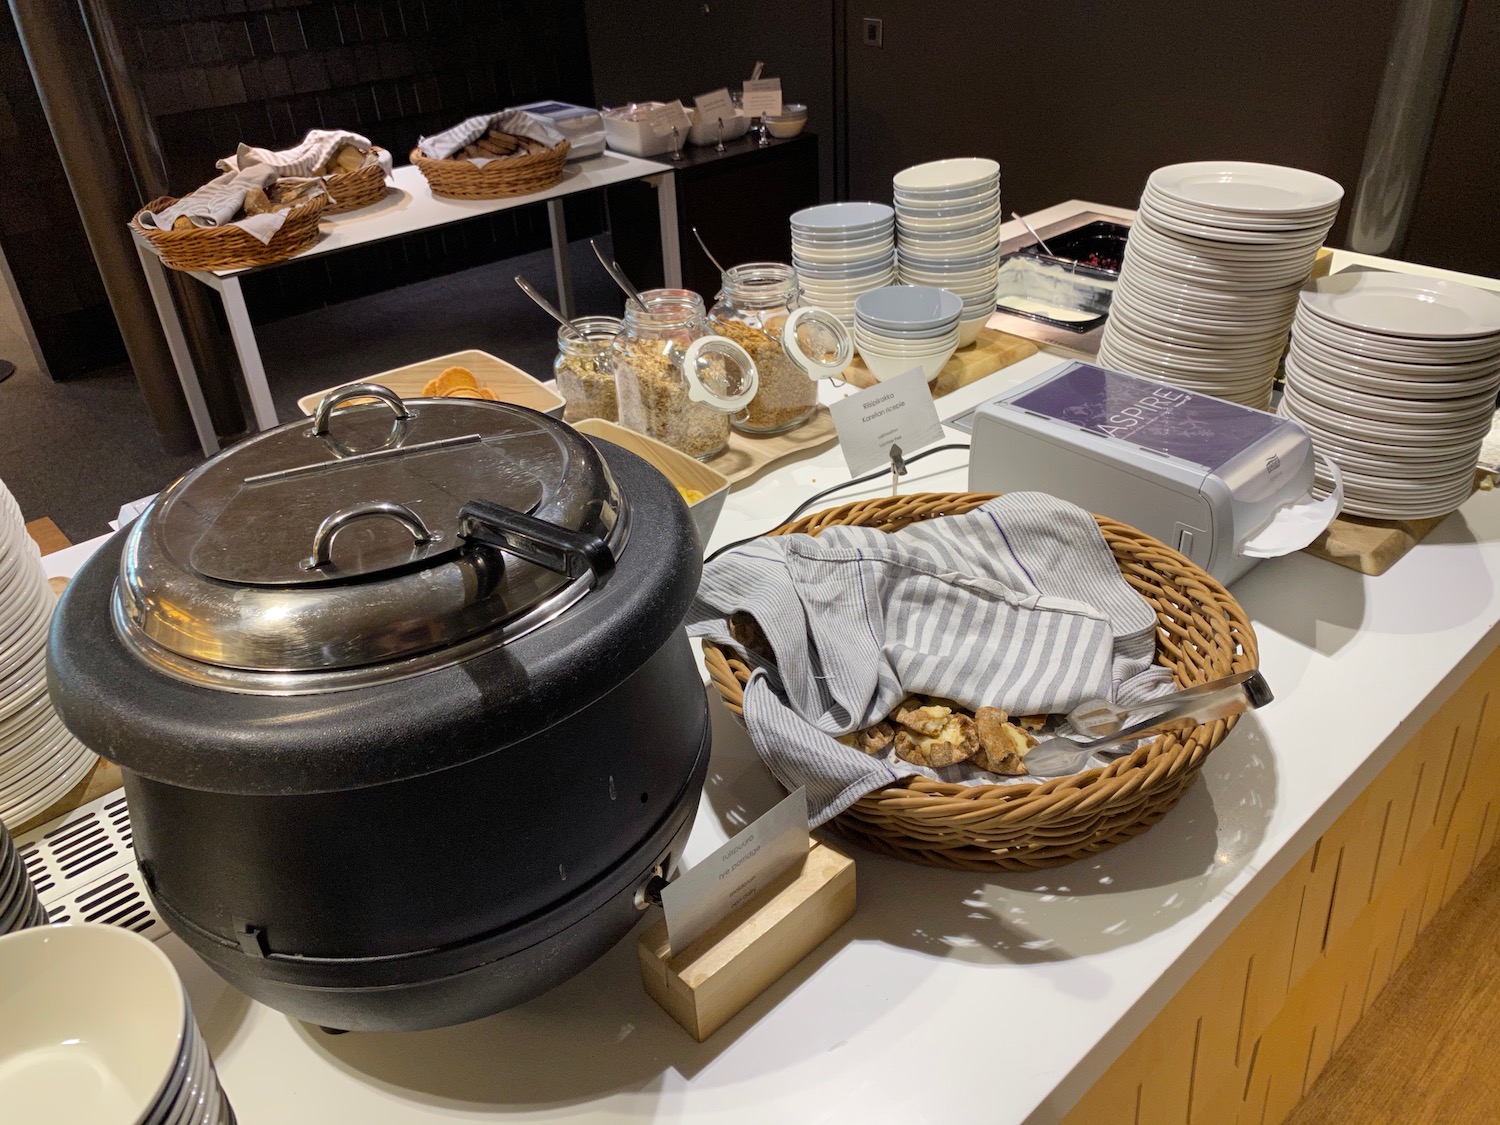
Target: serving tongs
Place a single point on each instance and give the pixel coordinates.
(1202, 703)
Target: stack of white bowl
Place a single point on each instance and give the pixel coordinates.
(19, 906)
(39, 760)
(841, 250)
(102, 1032)
(1212, 268)
(1395, 376)
(906, 326)
(948, 233)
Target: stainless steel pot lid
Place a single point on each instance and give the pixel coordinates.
(373, 541)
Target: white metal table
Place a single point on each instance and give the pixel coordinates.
(408, 208)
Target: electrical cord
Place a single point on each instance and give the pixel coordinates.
(813, 499)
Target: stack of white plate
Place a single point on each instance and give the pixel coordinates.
(1212, 268)
(906, 326)
(948, 233)
(19, 906)
(1395, 376)
(102, 1032)
(841, 250)
(39, 760)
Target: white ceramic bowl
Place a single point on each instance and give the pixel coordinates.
(969, 330)
(884, 366)
(904, 343)
(907, 307)
(92, 1019)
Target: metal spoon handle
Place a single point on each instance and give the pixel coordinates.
(613, 269)
(1017, 216)
(707, 253)
(546, 306)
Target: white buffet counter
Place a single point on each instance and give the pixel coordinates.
(949, 997)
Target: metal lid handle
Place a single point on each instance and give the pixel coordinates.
(322, 553)
(557, 548)
(355, 390)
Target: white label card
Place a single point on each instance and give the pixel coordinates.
(898, 411)
(761, 96)
(715, 106)
(664, 118)
(736, 873)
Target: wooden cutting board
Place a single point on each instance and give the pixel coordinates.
(1370, 546)
(988, 354)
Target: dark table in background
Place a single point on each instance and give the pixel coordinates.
(739, 200)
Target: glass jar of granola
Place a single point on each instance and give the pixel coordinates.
(585, 368)
(676, 380)
(760, 308)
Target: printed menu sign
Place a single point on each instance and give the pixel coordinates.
(898, 411)
(715, 106)
(761, 96)
(664, 118)
(1156, 416)
(736, 873)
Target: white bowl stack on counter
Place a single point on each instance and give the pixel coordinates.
(1395, 377)
(20, 909)
(95, 1026)
(841, 250)
(1215, 259)
(905, 326)
(948, 233)
(39, 759)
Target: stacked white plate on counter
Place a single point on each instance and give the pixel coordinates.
(39, 760)
(1395, 376)
(906, 326)
(948, 233)
(102, 1033)
(19, 906)
(841, 250)
(1215, 259)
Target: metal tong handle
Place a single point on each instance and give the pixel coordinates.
(1218, 700)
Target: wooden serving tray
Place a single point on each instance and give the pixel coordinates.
(508, 381)
(747, 456)
(986, 355)
(1371, 546)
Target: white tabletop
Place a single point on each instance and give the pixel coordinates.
(950, 996)
(409, 204)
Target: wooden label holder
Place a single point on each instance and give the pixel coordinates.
(749, 950)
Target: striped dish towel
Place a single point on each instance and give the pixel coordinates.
(217, 203)
(516, 122)
(301, 159)
(1018, 604)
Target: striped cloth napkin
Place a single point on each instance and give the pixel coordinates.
(1018, 604)
(300, 160)
(516, 122)
(217, 203)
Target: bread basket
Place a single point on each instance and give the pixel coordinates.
(534, 167)
(349, 191)
(230, 247)
(1202, 634)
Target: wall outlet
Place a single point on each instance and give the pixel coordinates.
(874, 32)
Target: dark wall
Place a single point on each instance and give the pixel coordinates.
(39, 229)
(1082, 99)
(1453, 225)
(214, 73)
(664, 49)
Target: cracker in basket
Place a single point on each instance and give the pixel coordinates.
(349, 158)
(872, 740)
(926, 719)
(1002, 744)
(451, 379)
(956, 742)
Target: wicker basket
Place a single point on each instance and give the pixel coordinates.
(230, 247)
(534, 169)
(348, 191)
(1203, 634)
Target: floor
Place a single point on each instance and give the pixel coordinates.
(1423, 1054)
(76, 451)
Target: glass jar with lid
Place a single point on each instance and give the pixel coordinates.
(585, 368)
(676, 380)
(760, 308)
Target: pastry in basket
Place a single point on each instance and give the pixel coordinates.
(1002, 744)
(454, 378)
(872, 740)
(934, 736)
